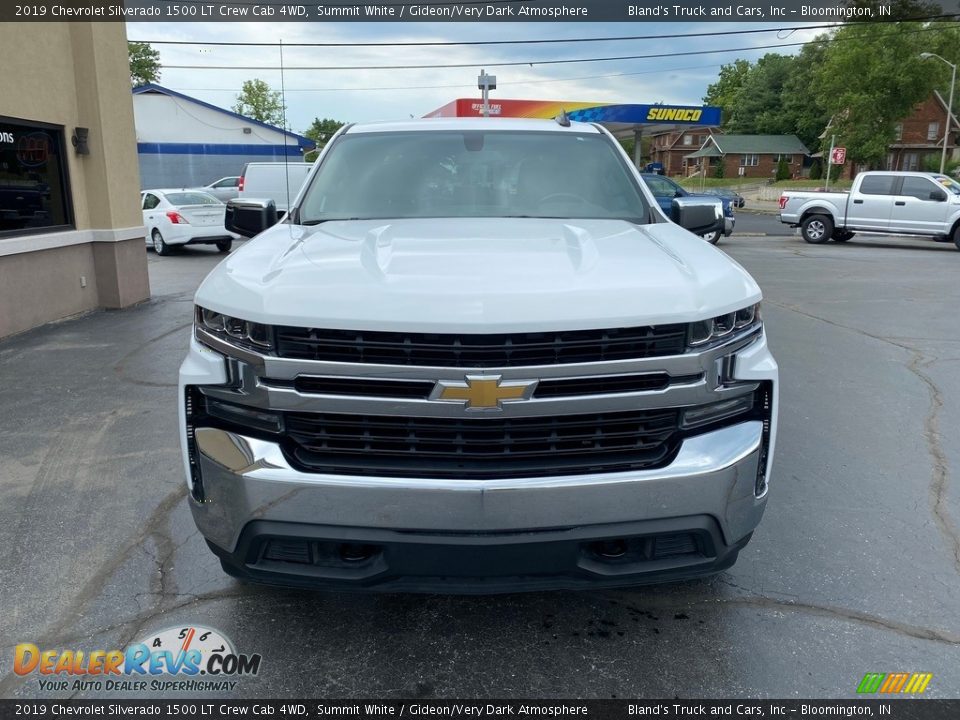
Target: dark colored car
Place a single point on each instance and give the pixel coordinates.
(732, 195)
(665, 190)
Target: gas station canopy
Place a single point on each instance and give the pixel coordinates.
(623, 120)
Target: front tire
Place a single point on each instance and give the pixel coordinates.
(224, 245)
(160, 247)
(713, 239)
(816, 229)
(956, 236)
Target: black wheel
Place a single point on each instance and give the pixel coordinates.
(714, 238)
(816, 229)
(956, 236)
(842, 235)
(224, 245)
(159, 246)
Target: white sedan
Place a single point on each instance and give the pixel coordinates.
(184, 217)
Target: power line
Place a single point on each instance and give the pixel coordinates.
(470, 85)
(541, 41)
(518, 63)
(453, 43)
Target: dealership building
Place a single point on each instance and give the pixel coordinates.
(71, 230)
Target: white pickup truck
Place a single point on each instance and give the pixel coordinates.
(894, 203)
(477, 356)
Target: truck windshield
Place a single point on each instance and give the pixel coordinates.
(433, 174)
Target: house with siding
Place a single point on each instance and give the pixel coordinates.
(185, 142)
(756, 156)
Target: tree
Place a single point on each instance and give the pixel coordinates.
(804, 114)
(758, 102)
(322, 130)
(144, 63)
(870, 78)
(723, 93)
(783, 170)
(256, 100)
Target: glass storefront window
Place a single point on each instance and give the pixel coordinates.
(34, 189)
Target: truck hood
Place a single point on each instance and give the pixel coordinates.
(476, 275)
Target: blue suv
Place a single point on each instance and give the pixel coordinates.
(665, 190)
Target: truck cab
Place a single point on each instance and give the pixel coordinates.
(888, 203)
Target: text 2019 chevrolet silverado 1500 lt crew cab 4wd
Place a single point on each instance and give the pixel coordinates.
(895, 203)
(477, 356)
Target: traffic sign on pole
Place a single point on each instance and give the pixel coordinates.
(838, 156)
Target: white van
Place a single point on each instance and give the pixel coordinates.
(277, 181)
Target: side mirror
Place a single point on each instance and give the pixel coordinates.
(698, 215)
(249, 217)
(678, 193)
(938, 196)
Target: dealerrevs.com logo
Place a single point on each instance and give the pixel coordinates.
(191, 658)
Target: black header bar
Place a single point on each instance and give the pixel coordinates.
(201, 708)
(740, 11)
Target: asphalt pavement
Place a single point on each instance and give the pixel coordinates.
(855, 567)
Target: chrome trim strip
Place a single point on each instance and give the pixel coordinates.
(284, 399)
(261, 460)
(286, 369)
(256, 372)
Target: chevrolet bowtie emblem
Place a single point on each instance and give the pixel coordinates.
(483, 392)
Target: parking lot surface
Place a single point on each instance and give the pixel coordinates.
(855, 567)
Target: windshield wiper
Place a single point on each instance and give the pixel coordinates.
(324, 220)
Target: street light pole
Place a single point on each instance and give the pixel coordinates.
(946, 129)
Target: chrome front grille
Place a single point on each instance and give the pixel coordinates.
(350, 417)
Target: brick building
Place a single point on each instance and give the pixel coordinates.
(756, 155)
(920, 135)
(671, 148)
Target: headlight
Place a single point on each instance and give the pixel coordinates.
(706, 332)
(251, 335)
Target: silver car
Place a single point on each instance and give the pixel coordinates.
(224, 189)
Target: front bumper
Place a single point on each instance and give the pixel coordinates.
(477, 535)
(728, 225)
(270, 522)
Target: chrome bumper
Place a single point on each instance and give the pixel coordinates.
(247, 480)
(728, 225)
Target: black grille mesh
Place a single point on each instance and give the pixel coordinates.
(481, 448)
(479, 351)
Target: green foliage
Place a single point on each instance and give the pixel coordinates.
(783, 170)
(758, 109)
(144, 63)
(256, 100)
(803, 112)
(719, 169)
(870, 78)
(816, 170)
(322, 130)
(723, 93)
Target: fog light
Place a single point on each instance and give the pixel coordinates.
(701, 415)
(248, 417)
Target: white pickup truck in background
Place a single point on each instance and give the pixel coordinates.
(894, 203)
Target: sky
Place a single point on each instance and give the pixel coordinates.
(394, 93)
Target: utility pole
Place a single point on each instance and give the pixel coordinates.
(830, 162)
(486, 83)
(946, 129)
